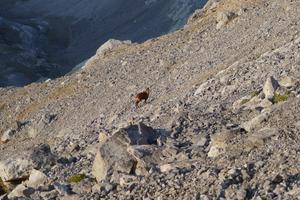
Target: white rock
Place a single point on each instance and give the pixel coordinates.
(270, 87)
(166, 168)
(288, 81)
(7, 135)
(109, 45)
(11, 169)
(214, 152)
(17, 192)
(32, 132)
(36, 179)
(223, 18)
(253, 123)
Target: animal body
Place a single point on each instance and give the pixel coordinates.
(141, 96)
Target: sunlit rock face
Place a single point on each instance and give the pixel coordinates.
(45, 39)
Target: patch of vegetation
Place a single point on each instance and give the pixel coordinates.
(76, 178)
(3, 188)
(244, 101)
(254, 94)
(280, 97)
(2, 106)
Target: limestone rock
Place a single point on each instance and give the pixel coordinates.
(15, 168)
(114, 154)
(36, 179)
(270, 87)
(17, 192)
(219, 143)
(288, 81)
(253, 123)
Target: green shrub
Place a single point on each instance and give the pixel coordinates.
(3, 188)
(280, 97)
(254, 94)
(76, 178)
(244, 101)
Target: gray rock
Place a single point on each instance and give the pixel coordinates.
(42, 156)
(270, 87)
(255, 122)
(62, 189)
(8, 135)
(200, 140)
(114, 154)
(219, 143)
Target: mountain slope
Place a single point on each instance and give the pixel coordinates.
(209, 83)
(51, 37)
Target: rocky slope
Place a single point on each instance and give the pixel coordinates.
(221, 121)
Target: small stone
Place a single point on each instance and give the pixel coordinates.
(288, 82)
(200, 140)
(7, 135)
(166, 168)
(32, 132)
(62, 188)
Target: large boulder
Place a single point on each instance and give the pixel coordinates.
(122, 151)
(19, 167)
(15, 169)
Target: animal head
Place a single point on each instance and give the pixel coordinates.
(147, 90)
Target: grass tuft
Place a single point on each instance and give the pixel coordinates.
(280, 97)
(244, 101)
(3, 188)
(76, 178)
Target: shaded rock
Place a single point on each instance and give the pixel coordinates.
(42, 156)
(8, 135)
(270, 87)
(62, 189)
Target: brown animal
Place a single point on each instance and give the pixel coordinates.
(141, 96)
